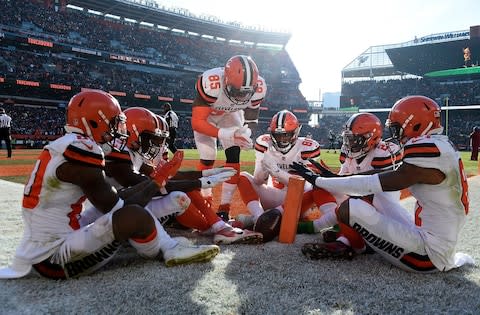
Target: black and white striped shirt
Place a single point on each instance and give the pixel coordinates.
(172, 119)
(5, 121)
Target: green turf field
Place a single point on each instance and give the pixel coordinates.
(330, 158)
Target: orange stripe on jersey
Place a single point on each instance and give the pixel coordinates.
(32, 189)
(310, 154)
(202, 93)
(118, 156)
(147, 239)
(260, 148)
(421, 150)
(384, 162)
(418, 262)
(199, 121)
(77, 155)
(74, 214)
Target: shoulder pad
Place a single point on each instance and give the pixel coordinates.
(310, 149)
(210, 85)
(123, 156)
(386, 154)
(260, 93)
(420, 147)
(86, 151)
(263, 142)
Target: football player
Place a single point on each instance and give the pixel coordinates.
(180, 196)
(364, 152)
(226, 108)
(267, 187)
(71, 169)
(433, 172)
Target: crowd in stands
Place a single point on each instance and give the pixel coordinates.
(382, 94)
(374, 94)
(110, 36)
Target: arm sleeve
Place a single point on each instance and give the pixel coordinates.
(200, 123)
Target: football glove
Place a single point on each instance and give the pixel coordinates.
(322, 169)
(213, 180)
(167, 170)
(305, 172)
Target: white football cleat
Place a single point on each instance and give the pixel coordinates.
(231, 235)
(185, 253)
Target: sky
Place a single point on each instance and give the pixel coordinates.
(327, 35)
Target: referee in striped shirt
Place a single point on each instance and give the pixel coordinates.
(5, 121)
(172, 120)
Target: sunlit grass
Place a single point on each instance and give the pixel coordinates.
(248, 157)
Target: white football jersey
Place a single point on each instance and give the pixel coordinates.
(211, 88)
(50, 206)
(441, 209)
(304, 149)
(385, 156)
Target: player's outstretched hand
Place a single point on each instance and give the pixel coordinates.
(167, 170)
(213, 180)
(305, 172)
(217, 170)
(322, 169)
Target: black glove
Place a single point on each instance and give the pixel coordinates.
(305, 172)
(323, 169)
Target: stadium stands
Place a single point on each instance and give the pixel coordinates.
(49, 51)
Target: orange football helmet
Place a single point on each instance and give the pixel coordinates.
(362, 133)
(241, 77)
(147, 132)
(97, 115)
(414, 116)
(284, 130)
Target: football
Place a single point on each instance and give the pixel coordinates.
(269, 224)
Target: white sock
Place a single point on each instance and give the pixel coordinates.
(218, 226)
(161, 242)
(227, 192)
(325, 221)
(255, 208)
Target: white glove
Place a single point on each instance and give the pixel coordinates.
(272, 168)
(235, 136)
(213, 180)
(242, 137)
(217, 170)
